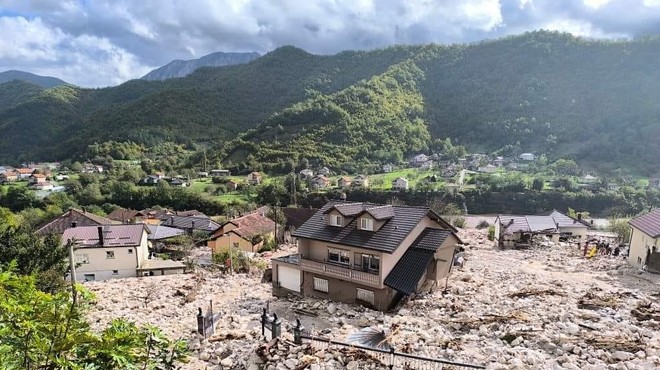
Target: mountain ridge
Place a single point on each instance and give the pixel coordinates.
(43, 81)
(181, 68)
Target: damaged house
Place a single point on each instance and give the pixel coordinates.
(366, 253)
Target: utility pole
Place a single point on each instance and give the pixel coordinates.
(70, 245)
(231, 258)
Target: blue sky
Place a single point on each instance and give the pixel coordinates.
(95, 43)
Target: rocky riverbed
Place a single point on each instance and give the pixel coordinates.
(543, 308)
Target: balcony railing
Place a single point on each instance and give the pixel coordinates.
(341, 272)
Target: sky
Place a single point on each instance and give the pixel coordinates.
(96, 43)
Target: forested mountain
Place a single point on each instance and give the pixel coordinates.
(542, 92)
(182, 68)
(43, 81)
(15, 92)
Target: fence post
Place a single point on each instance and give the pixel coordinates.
(392, 357)
(297, 333)
(200, 323)
(276, 327)
(212, 323)
(264, 320)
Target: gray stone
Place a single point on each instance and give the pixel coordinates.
(353, 365)
(291, 363)
(227, 362)
(622, 355)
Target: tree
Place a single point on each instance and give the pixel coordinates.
(42, 330)
(538, 184)
(46, 258)
(18, 198)
(620, 227)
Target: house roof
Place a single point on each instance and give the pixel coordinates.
(113, 235)
(192, 212)
(563, 220)
(380, 212)
(82, 218)
(252, 225)
(527, 224)
(201, 223)
(648, 223)
(123, 214)
(405, 275)
(387, 239)
(295, 217)
(24, 171)
(160, 232)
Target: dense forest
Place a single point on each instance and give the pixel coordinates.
(542, 92)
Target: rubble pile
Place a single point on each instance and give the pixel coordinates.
(541, 308)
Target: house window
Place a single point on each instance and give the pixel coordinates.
(336, 220)
(115, 272)
(89, 277)
(110, 254)
(82, 258)
(235, 245)
(321, 285)
(365, 296)
(130, 250)
(338, 256)
(639, 260)
(367, 224)
(370, 262)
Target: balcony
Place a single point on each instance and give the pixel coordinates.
(346, 272)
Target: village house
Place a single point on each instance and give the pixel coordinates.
(527, 157)
(92, 168)
(23, 173)
(366, 253)
(489, 168)
(513, 231)
(246, 233)
(254, 178)
(588, 179)
(220, 173)
(306, 174)
(295, 217)
(654, 182)
(644, 241)
(387, 168)
(361, 181)
(115, 251)
(498, 161)
(36, 178)
(344, 182)
(8, 176)
(202, 174)
(400, 183)
(43, 186)
(127, 216)
(72, 217)
(319, 182)
(419, 159)
(199, 222)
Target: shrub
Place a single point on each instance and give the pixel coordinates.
(459, 222)
(491, 233)
(239, 261)
(483, 224)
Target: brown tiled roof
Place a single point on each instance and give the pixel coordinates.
(82, 218)
(113, 235)
(24, 171)
(123, 214)
(252, 225)
(649, 223)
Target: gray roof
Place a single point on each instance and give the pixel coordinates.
(380, 212)
(405, 275)
(113, 235)
(648, 223)
(201, 223)
(160, 232)
(81, 218)
(387, 239)
(527, 224)
(563, 220)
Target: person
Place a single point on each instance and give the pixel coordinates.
(616, 251)
(586, 248)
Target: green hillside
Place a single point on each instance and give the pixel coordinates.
(16, 92)
(543, 92)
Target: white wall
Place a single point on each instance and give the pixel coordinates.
(639, 243)
(102, 267)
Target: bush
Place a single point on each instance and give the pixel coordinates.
(268, 245)
(483, 224)
(239, 261)
(459, 222)
(491, 233)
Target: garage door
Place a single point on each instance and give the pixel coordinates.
(289, 278)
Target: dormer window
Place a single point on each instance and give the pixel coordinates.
(366, 224)
(336, 220)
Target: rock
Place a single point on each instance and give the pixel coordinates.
(331, 308)
(227, 362)
(314, 367)
(516, 342)
(622, 355)
(291, 363)
(204, 356)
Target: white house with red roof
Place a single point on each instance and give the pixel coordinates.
(645, 241)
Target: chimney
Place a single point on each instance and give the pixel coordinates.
(100, 229)
(74, 224)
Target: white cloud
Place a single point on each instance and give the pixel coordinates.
(85, 60)
(102, 42)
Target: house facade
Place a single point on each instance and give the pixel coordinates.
(246, 233)
(366, 253)
(108, 252)
(254, 178)
(361, 180)
(419, 159)
(319, 182)
(344, 182)
(8, 177)
(220, 173)
(527, 156)
(400, 183)
(645, 241)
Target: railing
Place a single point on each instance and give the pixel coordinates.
(389, 358)
(345, 273)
